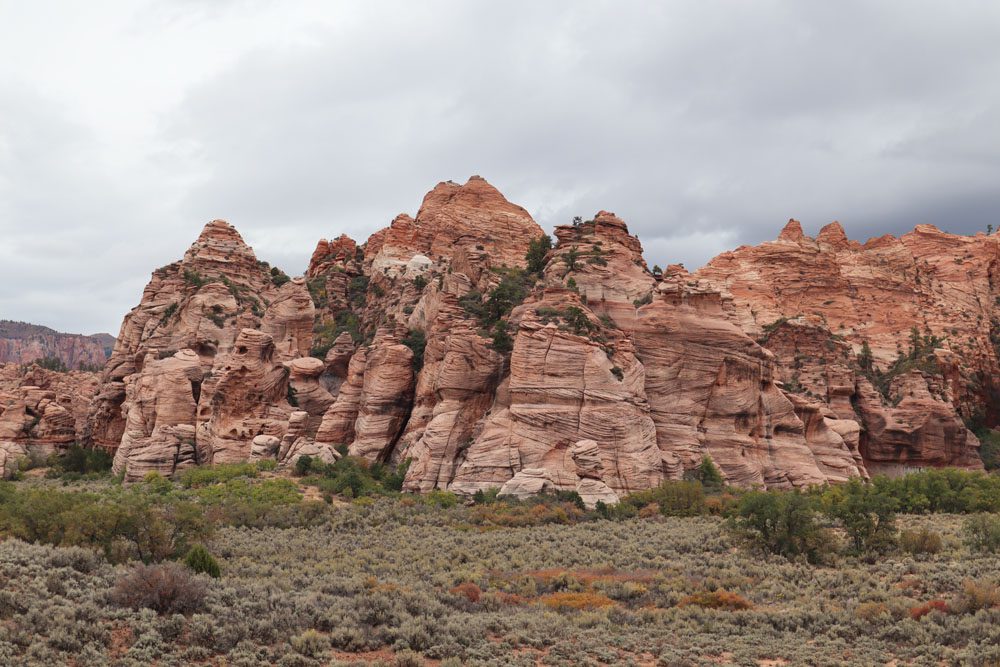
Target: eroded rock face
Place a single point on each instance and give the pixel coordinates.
(207, 362)
(159, 409)
(561, 389)
(41, 411)
(817, 302)
(430, 344)
(244, 396)
(453, 216)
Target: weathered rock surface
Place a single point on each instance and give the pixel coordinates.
(199, 369)
(817, 302)
(41, 411)
(431, 344)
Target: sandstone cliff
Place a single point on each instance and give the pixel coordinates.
(41, 411)
(897, 333)
(437, 343)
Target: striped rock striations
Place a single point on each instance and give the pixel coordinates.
(437, 344)
(897, 333)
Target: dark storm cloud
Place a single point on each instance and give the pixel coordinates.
(704, 125)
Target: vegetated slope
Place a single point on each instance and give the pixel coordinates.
(22, 343)
(462, 341)
(427, 586)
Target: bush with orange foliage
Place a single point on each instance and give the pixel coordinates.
(719, 599)
(567, 601)
(468, 590)
(534, 512)
(650, 511)
(508, 599)
(921, 610)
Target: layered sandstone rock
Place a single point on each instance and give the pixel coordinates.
(452, 216)
(41, 411)
(208, 361)
(159, 409)
(430, 344)
(817, 302)
(562, 388)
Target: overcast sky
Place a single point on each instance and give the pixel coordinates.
(126, 125)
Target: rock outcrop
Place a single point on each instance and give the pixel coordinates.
(41, 411)
(433, 344)
(198, 370)
(896, 334)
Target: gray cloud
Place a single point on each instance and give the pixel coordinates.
(704, 125)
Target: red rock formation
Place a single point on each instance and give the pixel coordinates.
(199, 367)
(22, 343)
(431, 344)
(453, 216)
(840, 295)
(41, 411)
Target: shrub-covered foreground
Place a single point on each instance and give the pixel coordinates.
(406, 580)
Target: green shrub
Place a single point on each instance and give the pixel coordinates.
(416, 340)
(199, 560)
(438, 498)
(278, 277)
(82, 461)
(617, 512)
(486, 497)
(707, 474)
(193, 278)
(571, 257)
(674, 498)
(942, 490)
(538, 250)
(922, 541)
(989, 448)
(867, 516)
(206, 475)
(982, 532)
(501, 340)
(303, 465)
(783, 523)
(51, 363)
(354, 477)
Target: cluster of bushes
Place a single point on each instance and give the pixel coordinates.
(538, 250)
(77, 462)
(416, 340)
(278, 277)
(437, 581)
(351, 476)
(575, 318)
(326, 332)
(942, 490)
(989, 447)
(514, 286)
(919, 356)
(154, 520)
(798, 524)
(51, 363)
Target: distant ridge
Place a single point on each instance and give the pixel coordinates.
(23, 342)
